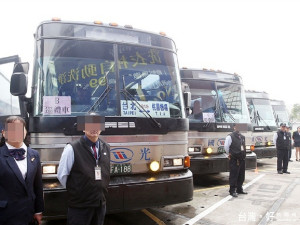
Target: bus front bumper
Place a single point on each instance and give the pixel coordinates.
(201, 164)
(251, 161)
(205, 164)
(130, 192)
(265, 152)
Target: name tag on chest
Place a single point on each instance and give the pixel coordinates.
(98, 173)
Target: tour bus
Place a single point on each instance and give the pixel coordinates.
(264, 125)
(280, 112)
(127, 75)
(217, 103)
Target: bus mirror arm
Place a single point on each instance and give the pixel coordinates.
(187, 102)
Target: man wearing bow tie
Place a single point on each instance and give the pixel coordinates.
(84, 169)
(21, 189)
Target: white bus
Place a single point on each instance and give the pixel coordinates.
(218, 102)
(127, 75)
(264, 125)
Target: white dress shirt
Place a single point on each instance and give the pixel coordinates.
(22, 164)
(275, 136)
(227, 144)
(66, 163)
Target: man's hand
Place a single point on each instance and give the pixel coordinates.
(229, 156)
(38, 217)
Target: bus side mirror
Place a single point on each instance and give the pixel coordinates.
(18, 82)
(187, 101)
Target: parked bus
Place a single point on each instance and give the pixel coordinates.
(280, 111)
(218, 102)
(127, 75)
(264, 125)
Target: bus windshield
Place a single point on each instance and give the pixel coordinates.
(85, 76)
(281, 113)
(217, 102)
(261, 112)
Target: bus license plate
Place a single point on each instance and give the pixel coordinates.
(121, 168)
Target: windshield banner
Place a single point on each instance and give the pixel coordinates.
(158, 109)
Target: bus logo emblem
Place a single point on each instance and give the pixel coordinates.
(259, 139)
(221, 142)
(121, 155)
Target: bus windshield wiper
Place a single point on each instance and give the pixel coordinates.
(103, 94)
(225, 111)
(127, 96)
(100, 99)
(277, 120)
(261, 119)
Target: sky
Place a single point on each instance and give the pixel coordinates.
(257, 39)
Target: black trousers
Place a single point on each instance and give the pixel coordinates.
(86, 216)
(282, 159)
(236, 175)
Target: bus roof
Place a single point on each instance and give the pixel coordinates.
(277, 102)
(203, 74)
(106, 32)
(257, 94)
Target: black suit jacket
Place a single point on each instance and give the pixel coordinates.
(20, 199)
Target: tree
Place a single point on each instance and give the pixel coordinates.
(295, 113)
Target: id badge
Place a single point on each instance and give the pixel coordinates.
(284, 138)
(98, 173)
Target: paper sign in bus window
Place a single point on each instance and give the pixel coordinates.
(57, 105)
(158, 109)
(209, 117)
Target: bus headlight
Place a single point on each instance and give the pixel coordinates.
(195, 149)
(177, 162)
(154, 166)
(191, 149)
(49, 169)
(173, 162)
(268, 143)
(209, 150)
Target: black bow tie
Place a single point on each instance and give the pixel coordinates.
(17, 153)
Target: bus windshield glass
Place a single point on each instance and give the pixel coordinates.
(232, 102)
(281, 113)
(217, 102)
(83, 76)
(261, 112)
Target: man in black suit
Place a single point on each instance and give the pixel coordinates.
(84, 169)
(281, 140)
(21, 189)
(235, 148)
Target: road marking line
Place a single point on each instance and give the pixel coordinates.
(154, 218)
(211, 188)
(270, 215)
(213, 207)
